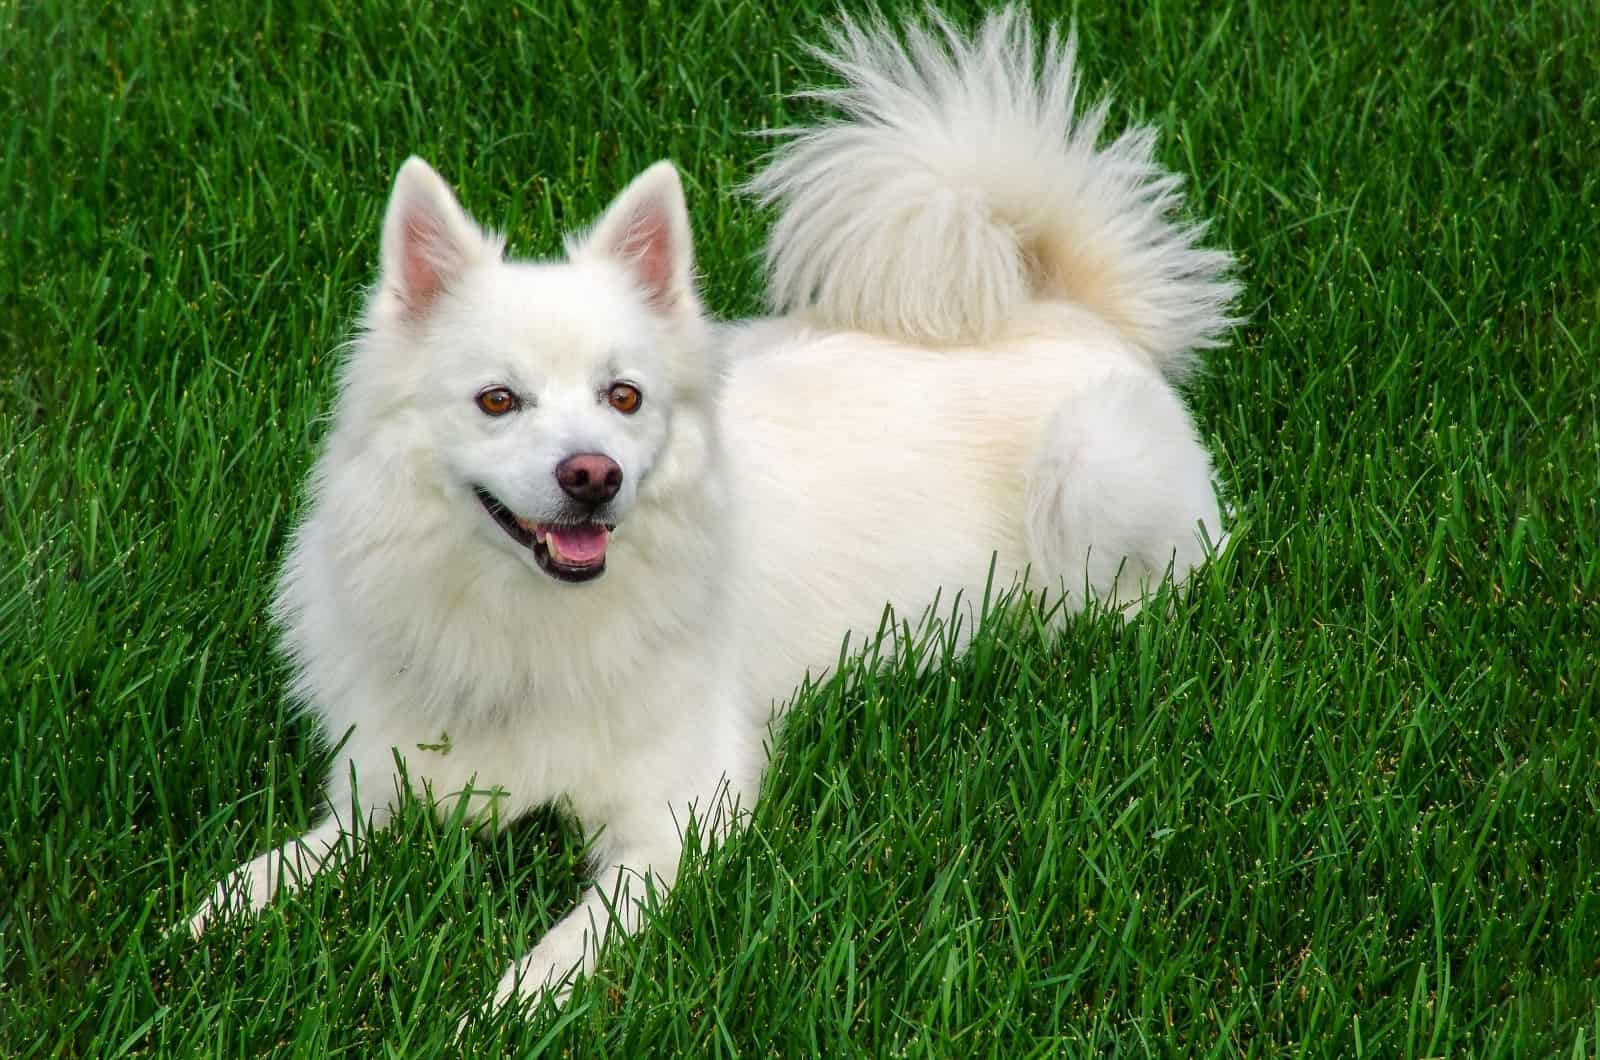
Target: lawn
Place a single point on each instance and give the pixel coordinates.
(1341, 799)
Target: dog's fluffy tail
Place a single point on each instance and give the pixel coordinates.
(959, 180)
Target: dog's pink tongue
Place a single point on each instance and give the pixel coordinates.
(577, 546)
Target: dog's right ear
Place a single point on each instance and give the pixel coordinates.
(428, 239)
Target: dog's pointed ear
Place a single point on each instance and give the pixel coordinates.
(428, 239)
(646, 231)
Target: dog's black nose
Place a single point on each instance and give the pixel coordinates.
(592, 478)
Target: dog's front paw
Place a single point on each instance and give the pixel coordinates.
(547, 971)
(244, 890)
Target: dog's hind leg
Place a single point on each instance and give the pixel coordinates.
(1119, 494)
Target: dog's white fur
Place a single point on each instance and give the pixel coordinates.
(983, 313)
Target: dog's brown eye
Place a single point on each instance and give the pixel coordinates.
(496, 401)
(624, 397)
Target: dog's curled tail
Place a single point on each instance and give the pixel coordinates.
(959, 181)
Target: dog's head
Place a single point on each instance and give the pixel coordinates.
(542, 396)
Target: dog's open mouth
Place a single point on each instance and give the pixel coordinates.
(572, 552)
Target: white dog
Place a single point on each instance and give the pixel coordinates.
(569, 543)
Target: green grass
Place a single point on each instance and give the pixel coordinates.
(1343, 801)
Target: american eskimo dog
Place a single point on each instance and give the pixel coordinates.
(593, 539)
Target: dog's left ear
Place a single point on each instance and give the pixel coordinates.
(646, 231)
